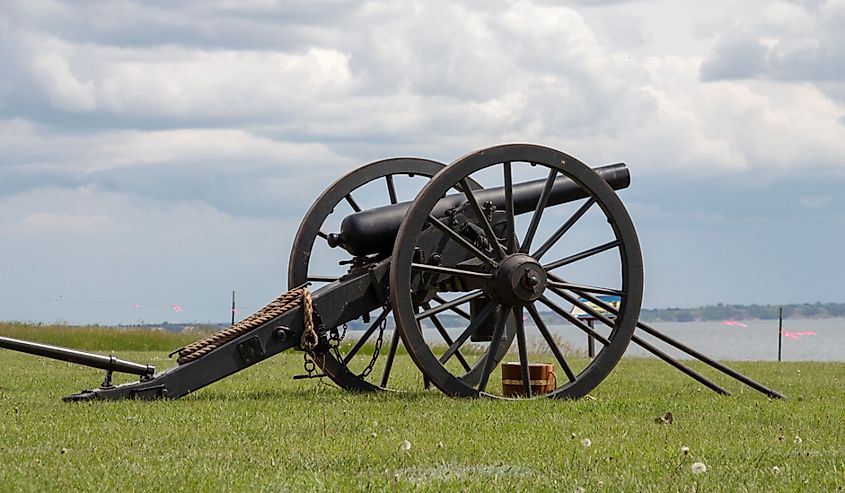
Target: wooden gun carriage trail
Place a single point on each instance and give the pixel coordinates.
(489, 240)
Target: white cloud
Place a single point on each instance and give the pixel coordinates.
(815, 201)
(435, 78)
(788, 42)
(186, 83)
(36, 147)
(60, 223)
(761, 124)
(52, 72)
(788, 17)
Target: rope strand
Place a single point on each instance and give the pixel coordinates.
(280, 305)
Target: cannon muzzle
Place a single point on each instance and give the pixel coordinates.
(373, 231)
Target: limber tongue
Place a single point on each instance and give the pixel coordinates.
(109, 363)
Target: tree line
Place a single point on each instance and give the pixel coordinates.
(744, 312)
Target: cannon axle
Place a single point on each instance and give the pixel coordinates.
(519, 280)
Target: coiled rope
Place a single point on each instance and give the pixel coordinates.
(285, 302)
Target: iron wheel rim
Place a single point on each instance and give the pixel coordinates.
(629, 252)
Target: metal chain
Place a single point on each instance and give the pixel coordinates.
(308, 364)
(376, 349)
(309, 356)
(335, 339)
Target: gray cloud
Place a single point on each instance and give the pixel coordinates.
(802, 41)
(736, 59)
(210, 24)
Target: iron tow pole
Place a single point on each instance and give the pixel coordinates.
(108, 363)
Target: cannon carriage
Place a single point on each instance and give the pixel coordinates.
(465, 259)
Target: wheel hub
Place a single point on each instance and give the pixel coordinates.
(519, 280)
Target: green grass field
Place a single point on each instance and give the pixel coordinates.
(261, 431)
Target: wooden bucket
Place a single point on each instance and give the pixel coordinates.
(543, 379)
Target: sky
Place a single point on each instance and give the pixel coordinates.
(162, 153)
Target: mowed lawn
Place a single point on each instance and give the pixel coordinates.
(262, 431)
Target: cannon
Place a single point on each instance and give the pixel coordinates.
(468, 260)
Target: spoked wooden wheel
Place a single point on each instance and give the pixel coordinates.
(313, 260)
(509, 268)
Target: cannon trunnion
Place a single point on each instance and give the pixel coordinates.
(496, 256)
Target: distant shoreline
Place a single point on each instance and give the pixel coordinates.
(744, 312)
(709, 313)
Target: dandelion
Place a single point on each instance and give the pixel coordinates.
(797, 440)
(698, 467)
(405, 446)
(775, 470)
(586, 442)
(684, 454)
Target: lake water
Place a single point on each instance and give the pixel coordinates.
(751, 340)
(747, 340)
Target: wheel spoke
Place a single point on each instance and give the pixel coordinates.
(582, 255)
(462, 241)
(580, 304)
(449, 304)
(391, 354)
(605, 306)
(523, 351)
(488, 229)
(681, 347)
(455, 309)
(563, 229)
(323, 235)
(352, 203)
(544, 331)
(448, 340)
(673, 362)
(391, 189)
(482, 316)
(490, 359)
(510, 229)
(574, 320)
(452, 271)
(360, 343)
(538, 211)
(578, 288)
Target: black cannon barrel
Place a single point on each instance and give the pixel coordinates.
(110, 363)
(373, 230)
